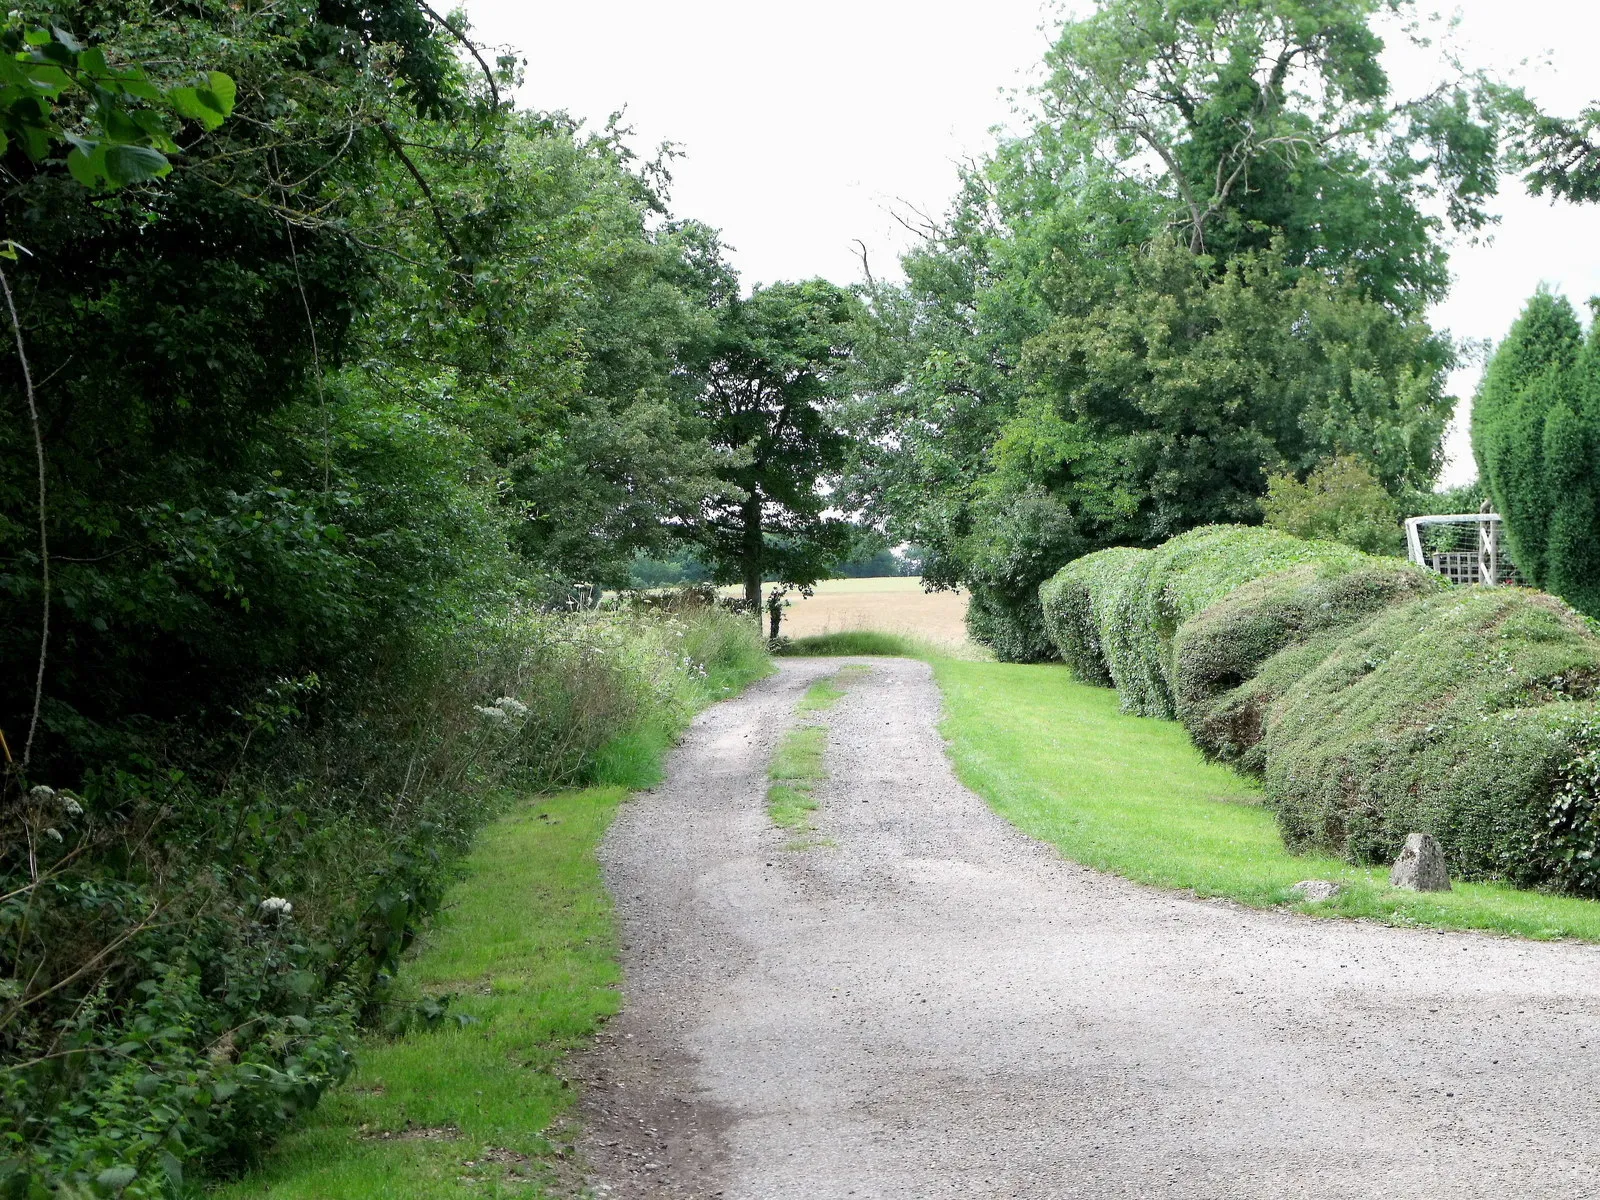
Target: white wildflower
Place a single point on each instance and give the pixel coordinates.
(54, 833)
(71, 807)
(490, 713)
(42, 793)
(276, 906)
(511, 706)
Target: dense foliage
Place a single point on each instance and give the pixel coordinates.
(1340, 501)
(336, 380)
(1536, 434)
(1374, 699)
(1205, 266)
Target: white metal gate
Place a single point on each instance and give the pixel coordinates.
(1463, 547)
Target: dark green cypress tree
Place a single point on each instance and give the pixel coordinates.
(1535, 429)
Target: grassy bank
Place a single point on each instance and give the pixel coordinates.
(1130, 795)
(527, 950)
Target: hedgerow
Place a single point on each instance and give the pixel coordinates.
(1224, 646)
(1180, 579)
(1454, 715)
(1373, 698)
(195, 949)
(1077, 604)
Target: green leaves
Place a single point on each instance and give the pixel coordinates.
(211, 105)
(125, 134)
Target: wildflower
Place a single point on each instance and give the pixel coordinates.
(71, 807)
(42, 793)
(54, 833)
(490, 713)
(276, 906)
(511, 706)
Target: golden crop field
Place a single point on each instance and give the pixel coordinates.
(892, 605)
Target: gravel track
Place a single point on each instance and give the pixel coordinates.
(936, 1005)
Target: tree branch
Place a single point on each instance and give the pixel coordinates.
(44, 534)
(472, 48)
(427, 192)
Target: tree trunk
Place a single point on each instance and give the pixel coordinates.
(752, 555)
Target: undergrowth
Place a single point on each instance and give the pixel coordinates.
(525, 952)
(194, 944)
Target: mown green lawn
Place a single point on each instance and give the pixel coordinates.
(1132, 796)
(527, 945)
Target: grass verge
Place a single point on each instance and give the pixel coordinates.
(873, 643)
(1130, 795)
(525, 948)
(528, 950)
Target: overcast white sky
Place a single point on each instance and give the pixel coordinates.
(803, 125)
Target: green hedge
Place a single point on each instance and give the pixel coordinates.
(1179, 580)
(1078, 603)
(1374, 699)
(1217, 654)
(1453, 715)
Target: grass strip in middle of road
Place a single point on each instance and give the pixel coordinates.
(798, 765)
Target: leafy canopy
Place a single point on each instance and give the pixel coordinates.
(1207, 264)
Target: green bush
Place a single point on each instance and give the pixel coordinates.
(1452, 714)
(1217, 653)
(1340, 501)
(1180, 579)
(189, 953)
(1077, 604)
(1020, 541)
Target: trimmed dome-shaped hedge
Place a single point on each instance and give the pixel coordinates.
(1218, 651)
(1078, 603)
(1452, 715)
(1144, 599)
(1374, 699)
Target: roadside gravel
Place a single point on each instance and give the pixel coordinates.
(936, 1005)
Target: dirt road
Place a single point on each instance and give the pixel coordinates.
(936, 1005)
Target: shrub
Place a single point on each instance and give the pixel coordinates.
(1217, 653)
(189, 954)
(1341, 501)
(1452, 714)
(1020, 542)
(1535, 433)
(1077, 604)
(1177, 581)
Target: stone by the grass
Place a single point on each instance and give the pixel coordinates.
(1420, 867)
(1315, 889)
